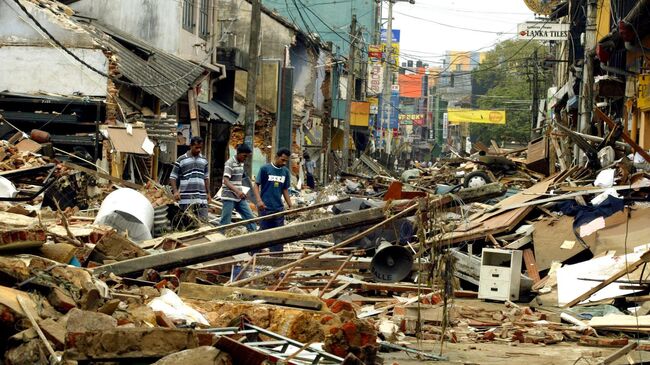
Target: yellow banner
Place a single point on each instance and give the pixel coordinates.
(476, 116)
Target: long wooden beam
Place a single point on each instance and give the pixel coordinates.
(193, 235)
(245, 243)
(626, 138)
(316, 255)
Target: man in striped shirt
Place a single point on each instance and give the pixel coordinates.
(192, 170)
(233, 195)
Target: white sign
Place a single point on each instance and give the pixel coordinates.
(375, 78)
(543, 31)
(445, 126)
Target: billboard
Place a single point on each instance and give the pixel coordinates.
(456, 116)
(359, 113)
(543, 31)
(375, 70)
(383, 38)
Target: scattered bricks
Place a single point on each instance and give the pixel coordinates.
(60, 300)
(163, 321)
(30, 353)
(82, 321)
(54, 332)
(132, 343)
(602, 342)
(488, 336)
(356, 336)
(204, 355)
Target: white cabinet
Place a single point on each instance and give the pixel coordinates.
(500, 274)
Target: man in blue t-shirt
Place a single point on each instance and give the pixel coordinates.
(273, 181)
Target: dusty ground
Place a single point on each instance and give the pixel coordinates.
(501, 354)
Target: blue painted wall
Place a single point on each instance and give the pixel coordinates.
(318, 16)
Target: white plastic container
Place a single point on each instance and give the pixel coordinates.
(127, 210)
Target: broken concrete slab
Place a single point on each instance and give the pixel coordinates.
(204, 355)
(245, 243)
(132, 343)
(82, 321)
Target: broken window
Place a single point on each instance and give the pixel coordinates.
(188, 15)
(204, 30)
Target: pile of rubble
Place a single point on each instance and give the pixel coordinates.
(375, 266)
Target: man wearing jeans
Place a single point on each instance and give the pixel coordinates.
(233, 195)
(274, 180)
(190, 180)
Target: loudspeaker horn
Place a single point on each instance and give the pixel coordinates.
(391, 263)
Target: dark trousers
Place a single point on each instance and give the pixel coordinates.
(310, 181)
(272, 223)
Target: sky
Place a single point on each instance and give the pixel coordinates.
(486, 22)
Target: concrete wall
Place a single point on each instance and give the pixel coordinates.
(232, 28)
(27, 69)
(17, 29)
(30, 64)
(154, 21)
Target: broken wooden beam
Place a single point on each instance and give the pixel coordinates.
(245, 243)
(348, 241)
(215, 292)
(102, 175)
(635, 147)
(193, 235)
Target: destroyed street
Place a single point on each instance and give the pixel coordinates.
(355, 182)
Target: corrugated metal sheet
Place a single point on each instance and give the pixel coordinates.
(161, 74)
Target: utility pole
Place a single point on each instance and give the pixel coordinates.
(386, 94)
(587, 98)
(350, 92)
(535, 105)
(251, 82)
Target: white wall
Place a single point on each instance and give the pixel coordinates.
(27, 69)
(17, 29)
(158, 22)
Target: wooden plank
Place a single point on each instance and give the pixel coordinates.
(493, 240)
(194, 113)
(245, 243)
(504, 222)
(635, 147)
(631, 267)
(215, 292)
(531, 266)
(102, 175)
(620, 353)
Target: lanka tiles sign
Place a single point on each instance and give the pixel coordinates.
(543, 31)
(375, 70)
(456, 116)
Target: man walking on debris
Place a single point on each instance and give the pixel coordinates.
(234, 193)
(274, 180)
(309, 171)
(191, 169)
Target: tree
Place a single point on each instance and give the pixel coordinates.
(502, 82)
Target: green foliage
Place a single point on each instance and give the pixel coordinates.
(504, 78)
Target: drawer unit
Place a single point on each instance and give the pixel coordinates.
(500, 274)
